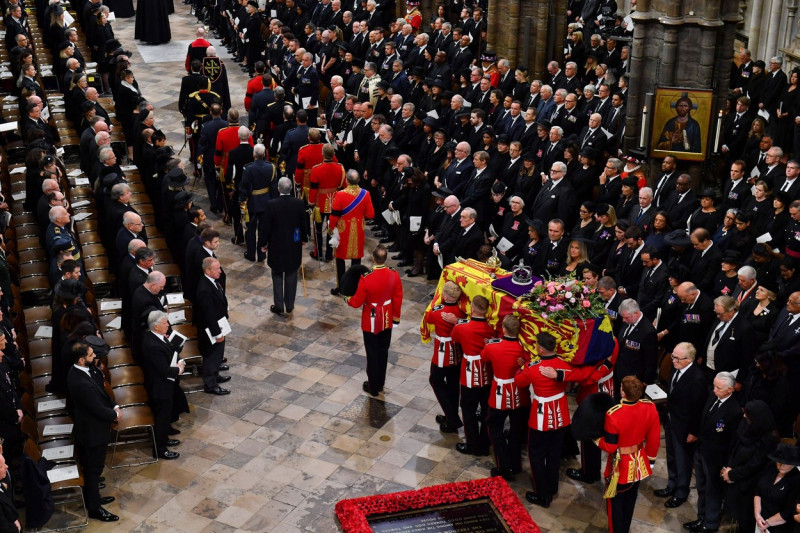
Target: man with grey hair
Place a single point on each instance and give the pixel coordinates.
(351, 207)
(644, 213)
(774, 84)
(455, 176)
(556, 199)
(239, 158)
(547, 103)
(721, 416)
(255, 191)
(638, 352)
(610, 181)
(145, 298)
(745, 290)
(132, 228)
(731, 341)
(286, 229)
(368, 89)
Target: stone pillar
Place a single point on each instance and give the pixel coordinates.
(755, 27)
(775, 14)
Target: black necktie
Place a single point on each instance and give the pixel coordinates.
(717, 333)
(761, 158)
(675, 379)
(715, 406)
(219, 287)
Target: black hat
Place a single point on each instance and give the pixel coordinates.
(64, 45)
(358, 62)
(70, 288)
(760, 64)
(744, 217)
(529, 155)
(503, 138)
(48, 160)
(590, 416)
(58, 10)
(489, 131)
(420, 115)
(431, 50)
(590, 152)
(544, 124)
(392, 153)
(537, 225)
(182, 199)
(636, 156)
(344, 46)
(708, 193)
(418, 71)
(383, 84)
(463, 112)
(602, 209)
(499, 187)
(441, 192)
(351, 278)
(430, 121)
(783, 196)
(732, 257)
(488, 56)
(769, 284)
(176, 176)
(450, 146)
(786, 454)
(592, 267)
(680, 272)
(87, 105)
(253, 3)
(631, 182)
(438, 82)
(447, 95)
(99, 346)
(677, 237)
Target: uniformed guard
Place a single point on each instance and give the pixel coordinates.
(197, 108)
(413, 16)
(469, 337)
(548, 420)
(308, 157)
(227, 140)
(380, 292)
(506, 400)
(351, 207)
(214, 69)
(446, 364)
(631, 436)
(307, 88)
(326, 178)
(258, 186)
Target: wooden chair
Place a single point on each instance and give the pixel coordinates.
(125, 376)
(120, 357)
(134, 425)
(37, 314)
(116, 339)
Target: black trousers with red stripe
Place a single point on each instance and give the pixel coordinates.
(508, 449)
(476, 431)
(620, 507)
(445, 385)
(544, 453)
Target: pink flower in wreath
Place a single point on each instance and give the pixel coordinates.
(586, 303)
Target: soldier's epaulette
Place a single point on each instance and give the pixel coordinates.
(614, 409)
(534, 363)
(645, 400)
(493, 341)
(365, 274)
(438, 307)
(463, 321)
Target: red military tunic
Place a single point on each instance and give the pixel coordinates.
(227, 140)
(414, 17)
(444, 353)
(254, 86)
(308, 157)
(549, 409)
(634, 427)
(469, 338)
(350, 207)
(380, 292)
(592, 379)
(325, 180)
(503, 355)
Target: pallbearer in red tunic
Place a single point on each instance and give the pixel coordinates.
(380, 292)
(350, 207)
(446, 364)
(506, 400)
(631, 436)
(469, 338)
(326, 179)
(308, 157)
(413, 16)
(548, 421)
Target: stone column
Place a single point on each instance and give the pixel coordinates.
(775, 13)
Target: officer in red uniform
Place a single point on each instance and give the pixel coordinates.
(548, 420)
(446, 364)
(592, 379)
(326, 178)
(469, 338)
(380, 292)
(413, 16)
(351, 206)
(227, 140)
(506, 399)
(308, 157)
(631, 436)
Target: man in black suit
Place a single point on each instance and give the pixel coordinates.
(642, 215)
(552, 151)
(477, 189)
(469, 238)
(553, 254)
(774, 171)
(731, 341)
(286, 230)
(92, 414)
(665, 184)
(143, 260)
(455, 176)
(745, 291)
(735, 130)
(685, 400)
(610, 182)
(736, 191)
(204, 246)
(210, 308)
(161, 366)
(682, 203)
(784, 340)
(461, 57)
(697, 314)
(705, 260)
(774, 84)
(146, 298)
(718, 422)
(593, 136)
(447, 232)
(654, 282)
(630, 268)
(637, 346)
(132, 228)
(556, 199)
(789, 182)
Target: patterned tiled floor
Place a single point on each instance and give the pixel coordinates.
(297, 434)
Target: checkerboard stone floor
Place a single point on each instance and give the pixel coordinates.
(297, 434)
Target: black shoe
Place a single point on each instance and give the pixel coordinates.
(398, 257)
(261, 258)
(172, 431)
(223, 379)
(103, 515)
(224, 368)
(541, 501)
(105, 500)
(441, 419)
(462, 447)
(219, 391)
(405, 263)
(447, 428)
(365, 388)
(224, 359)
(275, 309)
(335, 292)
(394, 248)
(379, 234)
(168, 455)
(411, 274)
(173, 442)
(577, 475)
(237, 240)
(101, 486)
(102, 478)
(250, 258)
(386, 240)
(508, 475)
(707, 530)
(694, 525)
(674, 502)
(664, 493)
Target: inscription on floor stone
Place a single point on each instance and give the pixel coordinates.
(369, 411)
(475, 516)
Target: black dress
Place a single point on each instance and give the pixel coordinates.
(701, 219)
(785, 125)
(779, 497)
(122, 9)
(152, 22)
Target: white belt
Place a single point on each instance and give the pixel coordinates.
(498, 391)
(603, 380)
(542, 401)
(372, 318)
(470, 359)
(376, 304)
(441, 352)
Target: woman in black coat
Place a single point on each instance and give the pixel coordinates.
(537, 231)
(778, 490)
(414, 205)
(766, 380)
(754, 440)
(128, 97)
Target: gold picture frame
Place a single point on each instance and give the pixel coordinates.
(681, 123)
